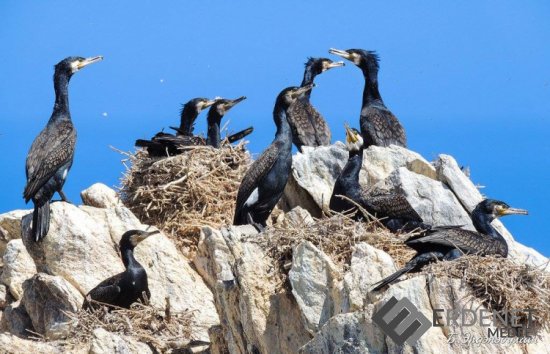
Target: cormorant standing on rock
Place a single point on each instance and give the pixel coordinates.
(448, 243)
(125, 288)
(394, 208)
(51, 154)
(308, 126)
(378, 125)
(265, 181)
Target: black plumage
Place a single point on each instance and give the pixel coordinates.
(451, 242)
(378, 124)
(392, 207)
(125, 288)
(309, 128)
(164, 144)
(265, 180)
(189, 113)
(51, 154)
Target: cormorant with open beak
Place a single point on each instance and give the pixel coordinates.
(51, 154)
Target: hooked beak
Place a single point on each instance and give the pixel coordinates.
(209, 103)
(350, 135)
(340, 53)
(143, 235)
(335, 64)
(299, 92)
(232, 103)
(89, 61)
(514, 211)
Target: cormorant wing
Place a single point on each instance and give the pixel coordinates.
(51, 149)
(322, 131)
(255, 173)
(393, 205)
(381, 127)
(303, 132)
(107, 290)
(465, 240)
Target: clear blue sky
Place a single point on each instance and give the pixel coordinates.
(468, 78)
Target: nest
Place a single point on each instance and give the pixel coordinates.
(501, 283)
(180, 194)
(160, 329)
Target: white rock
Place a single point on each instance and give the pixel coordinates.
(10, 228)
(48, 300)
(312, 276)
(18, 267)
(11, 344)
(104, 342)
(100, 196)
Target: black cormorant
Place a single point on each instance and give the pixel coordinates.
(215, 115)
(125, 288)
(51, 154)
(451, 242)
(189, 113)
(378, 125)
(308, 126)
(394, 209)
(265, 181)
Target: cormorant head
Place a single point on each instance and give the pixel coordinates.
(290, 94)
(365, 59)
(71, 65)
(354, 140)
(496, 209)
(320, 65)
(132, 238)
(198, 104)
(222, 105)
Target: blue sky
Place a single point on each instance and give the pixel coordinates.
(469, 78)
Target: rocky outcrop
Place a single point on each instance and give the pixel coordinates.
(18, 267)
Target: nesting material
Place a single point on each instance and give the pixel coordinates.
(501, 283)
(158, 328)
(182, 193)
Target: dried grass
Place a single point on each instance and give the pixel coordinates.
(501, 283)
(160, 329)
(182, 193)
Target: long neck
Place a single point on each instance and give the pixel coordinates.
(61, 87)
(187, 118)
(350, 173)
(283, 128)
(370, 92)
(128, 259)
(482, 223)
(213, 137)
(309, 76)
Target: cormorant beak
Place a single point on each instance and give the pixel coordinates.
(209, 103)
(513, 211)
(350, 135)
(335, 64)
(88, 61)
(143, 235)
(232, 103)
(341, 53)
(300, 91)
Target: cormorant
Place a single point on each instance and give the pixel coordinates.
(394, 208)
(378, 125)
(125, 288)
(162, 143)
(308, 126)
(189, 113)
(265, 181)
(451, 242)
(51, 154)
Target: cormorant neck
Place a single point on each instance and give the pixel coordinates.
(351, 170)
(482, 223)
(128, 258)
(187, 118)
(309, 76)
(61, 87)
(370, 92)
(283, 128)
(213, 137)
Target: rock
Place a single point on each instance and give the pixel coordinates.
(256, 317)
(11, 344)
(100, 196)
(16, 320)
(80, 247)
(4, 296)
(297, 217)
(10, 228)
(104, 342)
(18, 267)
(347, 333)
(48, 300)
(312, 277)
(431, 199)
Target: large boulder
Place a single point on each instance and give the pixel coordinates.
(104, 342)
(10, 228)
(48, 300)
(16, 320)
(100, 196)
(11, 344)
(18, 267)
